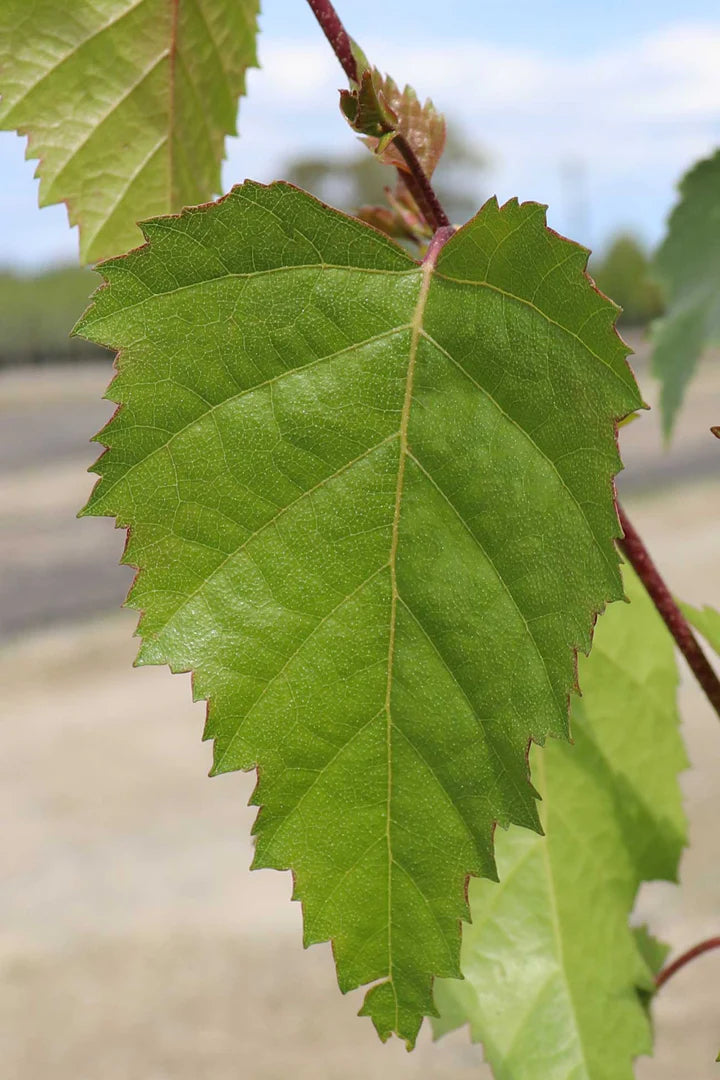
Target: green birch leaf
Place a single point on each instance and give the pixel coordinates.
(371, 501)
(556, 981)
(688, 266)
(126, 104)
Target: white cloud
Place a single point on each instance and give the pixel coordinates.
(636, 114)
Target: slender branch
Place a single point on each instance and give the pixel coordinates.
(639, 558)
(685, 958)
(336, 34)
(420, 187)
(415, 177)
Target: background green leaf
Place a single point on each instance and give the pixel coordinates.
(126, 104)
(688, 266)
(706, 620)
(373, 509)
(654, 952)
(556, 982)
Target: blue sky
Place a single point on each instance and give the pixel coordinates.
(558, 27)
(595, 109)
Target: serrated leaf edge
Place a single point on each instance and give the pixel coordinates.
(427, 277)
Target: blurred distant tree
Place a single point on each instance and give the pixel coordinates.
(624, 273)
(358, 179)
(37, 313)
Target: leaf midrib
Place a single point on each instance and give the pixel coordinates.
(415, 334)
(173, 198)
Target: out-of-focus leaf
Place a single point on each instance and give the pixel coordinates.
(653, 952)
(126, 103)
(688, 266)
(556, 981)
(706, 620)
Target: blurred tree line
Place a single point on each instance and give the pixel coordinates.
(624, 273)
(37, 313)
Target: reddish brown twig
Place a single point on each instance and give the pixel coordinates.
(420, 187)
(685, 958)
(639, 558)
(415, 176)
(336, 34)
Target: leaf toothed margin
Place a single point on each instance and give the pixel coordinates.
(316, 432)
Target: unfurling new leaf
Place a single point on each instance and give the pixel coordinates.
(126, 104)
(377, 109)
(371, 502)
(556, 982)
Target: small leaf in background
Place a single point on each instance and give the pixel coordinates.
(688, 266)
(366, 109)
(372, 505)
(556, 981)
(126, 104)
(706, 621)
(378, 109)
(654, 952)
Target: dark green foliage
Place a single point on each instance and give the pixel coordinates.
(36, 313)
(624, 273)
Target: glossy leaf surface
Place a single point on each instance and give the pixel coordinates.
(372, 505)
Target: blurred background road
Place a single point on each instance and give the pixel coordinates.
(134, 944)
